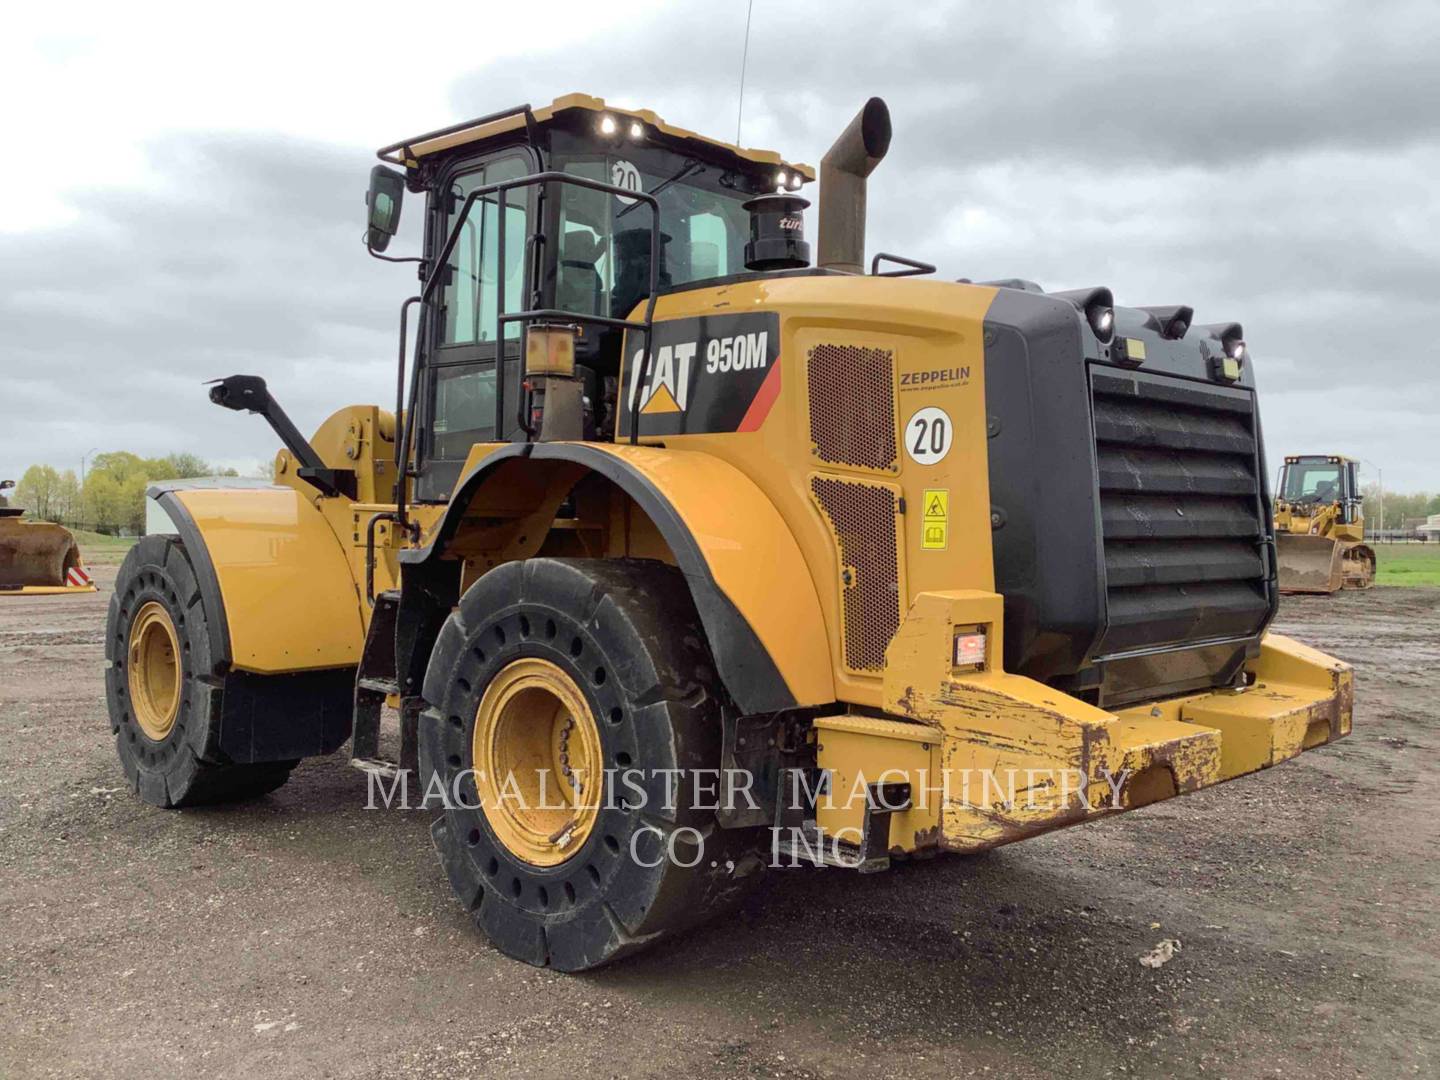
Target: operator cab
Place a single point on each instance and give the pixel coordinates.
(1313, 480)
(578, 250)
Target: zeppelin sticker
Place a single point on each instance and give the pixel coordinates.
(934, 378)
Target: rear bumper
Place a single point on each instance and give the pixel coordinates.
(1009, 758)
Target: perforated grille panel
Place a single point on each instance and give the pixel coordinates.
(852, 406)
(862, 517)
(1181, 510)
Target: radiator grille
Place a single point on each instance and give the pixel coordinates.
(1180, 509)
(852, 406)
(863, 518)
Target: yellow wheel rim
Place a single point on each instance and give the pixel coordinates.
(538, 764)
(154, 670)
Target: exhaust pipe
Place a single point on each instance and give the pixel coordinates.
(843, 170)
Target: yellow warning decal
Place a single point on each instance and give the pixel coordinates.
(935, 519)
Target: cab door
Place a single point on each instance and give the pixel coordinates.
(458, 401)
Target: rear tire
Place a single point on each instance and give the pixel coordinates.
(163, 687)
(624, 635)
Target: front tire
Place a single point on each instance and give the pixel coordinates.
(557, 669)
(163, 688)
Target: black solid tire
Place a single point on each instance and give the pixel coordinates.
(186, 768)
(627, 632)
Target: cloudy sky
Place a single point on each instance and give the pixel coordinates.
(184, 196)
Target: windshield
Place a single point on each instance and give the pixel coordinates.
(603, 265)
(1319, 482)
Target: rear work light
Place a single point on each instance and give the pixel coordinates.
(969, 649)
(550, 350)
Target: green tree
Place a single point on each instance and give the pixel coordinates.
(114, 494)
(1399, 508)
(67, 497)
(186, 465)
(38, 492)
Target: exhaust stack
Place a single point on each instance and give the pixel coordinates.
(843, 170)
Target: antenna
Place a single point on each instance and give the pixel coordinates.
(744, 59)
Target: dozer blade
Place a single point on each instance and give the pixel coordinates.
(39, 556)
(1310, 564)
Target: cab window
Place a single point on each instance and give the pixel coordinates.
(1312, 483)
(462, 376)
(470, 294)
(604, 259)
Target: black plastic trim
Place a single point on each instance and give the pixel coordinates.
(204, 567)
(286, 716)
(1049, 565)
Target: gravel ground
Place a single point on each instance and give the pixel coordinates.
(302, 935)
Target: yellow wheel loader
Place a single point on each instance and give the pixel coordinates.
(37, 557)
(682, 556)
(1320, 526)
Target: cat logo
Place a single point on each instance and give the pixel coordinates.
(707, 374)
(668, 390)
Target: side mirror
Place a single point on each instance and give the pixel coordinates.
(382, 205)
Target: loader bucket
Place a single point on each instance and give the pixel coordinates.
(38, 556)
(1310, 564)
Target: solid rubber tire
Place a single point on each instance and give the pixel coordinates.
(627, 632)
(186, 768)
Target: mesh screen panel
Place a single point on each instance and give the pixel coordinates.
(862, 516)
(852, 406)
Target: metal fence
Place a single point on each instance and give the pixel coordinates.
(1400, 536)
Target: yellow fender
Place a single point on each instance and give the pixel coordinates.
(274, 574)
(750, 583)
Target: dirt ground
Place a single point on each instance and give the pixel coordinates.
(302, 935)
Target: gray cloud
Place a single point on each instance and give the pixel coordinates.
(1269, 163)
(248, 259)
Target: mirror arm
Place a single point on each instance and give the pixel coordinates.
(386, 258)
(249, 393)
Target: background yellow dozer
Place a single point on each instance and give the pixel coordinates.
(37, 556)
(1320, 526)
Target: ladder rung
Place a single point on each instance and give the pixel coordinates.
(381, 767)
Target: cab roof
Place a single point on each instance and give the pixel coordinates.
(408, 152)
